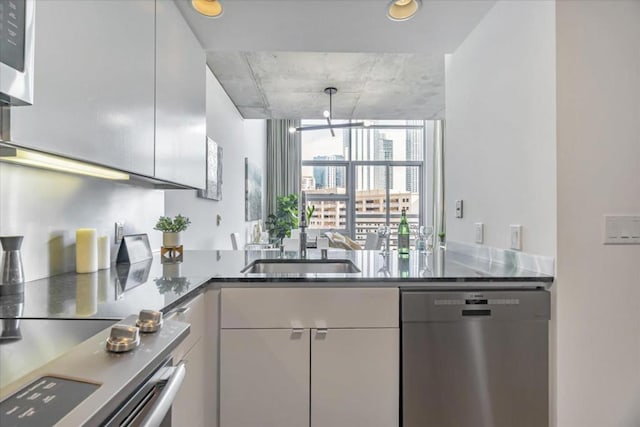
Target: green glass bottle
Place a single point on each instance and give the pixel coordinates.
(403, 236)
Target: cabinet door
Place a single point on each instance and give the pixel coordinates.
(355, 376)
(264, 378)
(93, 87)
(211, 341)
(192, 312)
(188, 408)
(180, 100)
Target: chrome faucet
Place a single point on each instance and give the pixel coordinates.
(302, 224)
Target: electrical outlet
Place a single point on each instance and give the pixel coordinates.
(119, 233)
(479, 232)
(516, 237)
(459, 208)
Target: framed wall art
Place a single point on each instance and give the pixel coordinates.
(252, 191)
(213, 190)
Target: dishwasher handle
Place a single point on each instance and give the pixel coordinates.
(166, 398)
(476, 313)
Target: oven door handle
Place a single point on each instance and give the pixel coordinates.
(166, 398)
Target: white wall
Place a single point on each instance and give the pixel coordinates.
(47, 207)
(598, 287)
(500, 127)
(239, 138)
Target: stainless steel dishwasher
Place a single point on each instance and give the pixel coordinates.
(475, 359)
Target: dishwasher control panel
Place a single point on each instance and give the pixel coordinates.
(425, 306)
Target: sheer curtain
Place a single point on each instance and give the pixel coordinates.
(283, 161)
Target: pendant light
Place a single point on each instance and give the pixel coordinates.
(209, 8)
(328, 115)
(401, 10)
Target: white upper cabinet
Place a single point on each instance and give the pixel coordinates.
(180, 100)
(93, 89)
(118, 83)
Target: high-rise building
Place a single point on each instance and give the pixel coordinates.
(362, 149)
(329, 176)
(415, 147)
(382, 150)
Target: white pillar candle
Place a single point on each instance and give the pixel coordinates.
(104, 253)
(86, 250)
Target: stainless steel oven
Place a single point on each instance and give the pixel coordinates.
(17, 50)
(90, 385)
(150, 404)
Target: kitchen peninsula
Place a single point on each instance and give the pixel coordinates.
(320, 339)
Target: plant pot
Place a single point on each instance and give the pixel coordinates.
(171, 240)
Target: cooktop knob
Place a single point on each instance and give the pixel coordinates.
(149, 321)
(123, 338)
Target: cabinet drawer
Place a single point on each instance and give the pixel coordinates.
(309, 308)
(191, 312)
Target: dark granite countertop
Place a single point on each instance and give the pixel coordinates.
(123, 290)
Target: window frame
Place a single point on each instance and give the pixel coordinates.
(350, 185)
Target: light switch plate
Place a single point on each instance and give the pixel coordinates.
(479, 232)
(459, 208)
(119, 232)
(621, 230)
(516, 236)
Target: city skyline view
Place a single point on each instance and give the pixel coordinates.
(328, 166)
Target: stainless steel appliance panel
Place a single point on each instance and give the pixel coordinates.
(17, 49)
(475, 359)
(26, 344)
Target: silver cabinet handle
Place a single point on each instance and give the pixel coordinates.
(166, 398)
(297, 330)
(322, 331)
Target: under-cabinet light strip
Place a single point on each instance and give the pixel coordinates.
(49, 161)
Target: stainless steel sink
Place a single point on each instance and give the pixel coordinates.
(301, 266)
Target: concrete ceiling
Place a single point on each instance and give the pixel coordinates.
(274, 57)
(370, 85)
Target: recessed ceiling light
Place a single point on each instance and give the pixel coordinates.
(210, 8)
(401, 10)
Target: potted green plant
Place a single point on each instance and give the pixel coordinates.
(172, 230)
(280, 224)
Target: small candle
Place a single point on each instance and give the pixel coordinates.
(104, 253)
(86, 250)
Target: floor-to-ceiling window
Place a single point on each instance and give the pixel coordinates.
(362, 178)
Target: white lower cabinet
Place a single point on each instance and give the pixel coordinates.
(264, 378)
(355, 377)
(332, 367)
(188, 408)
